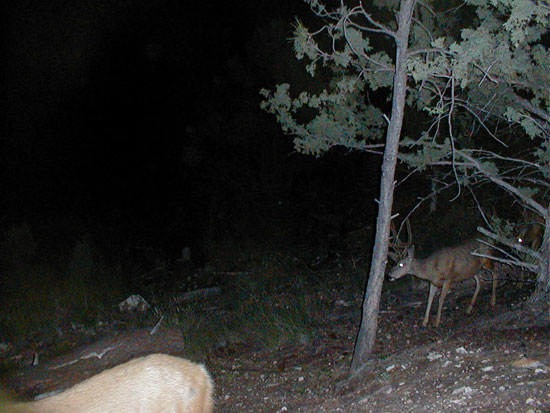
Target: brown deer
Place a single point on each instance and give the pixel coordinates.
(151, 384)
(444, 268)
(532, 230)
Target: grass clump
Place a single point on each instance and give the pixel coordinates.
(265, 301)
(273, 321)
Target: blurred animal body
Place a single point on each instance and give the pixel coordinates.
(444, 268)
(153, 384)
(532, 230)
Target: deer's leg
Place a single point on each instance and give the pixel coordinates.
(444, 291)
(433, 290)
(471, 306)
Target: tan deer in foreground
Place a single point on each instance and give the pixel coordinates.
(444, 268)
(153, 384)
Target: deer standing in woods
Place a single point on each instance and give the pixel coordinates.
(532, 230)
(530, 236)
(152, 384)
(443, 269)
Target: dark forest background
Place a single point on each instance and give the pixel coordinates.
(132, 130)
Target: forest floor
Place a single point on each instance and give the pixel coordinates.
(490, 361)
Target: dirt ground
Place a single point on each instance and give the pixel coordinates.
(487, 362)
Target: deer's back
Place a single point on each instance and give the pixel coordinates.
(458, 262)
(156, 383)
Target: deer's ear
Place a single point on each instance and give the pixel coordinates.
(410, 251)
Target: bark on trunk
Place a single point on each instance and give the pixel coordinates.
(369, 321)
(542, 292)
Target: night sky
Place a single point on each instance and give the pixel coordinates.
(142, 118)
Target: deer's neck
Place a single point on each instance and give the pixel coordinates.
(419, 268)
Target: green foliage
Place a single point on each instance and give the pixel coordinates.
(477, 79)
(505, 48)
(479, 74)
(429, 153)
(521, 117)
(304, 45)
(342, 119)
(339, 115)
(542, 153)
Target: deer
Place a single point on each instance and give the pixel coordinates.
(530, 236)
(532, 230)
(443, 269)
(152, 384)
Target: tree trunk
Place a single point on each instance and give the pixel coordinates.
(369, 321)
(542, 292)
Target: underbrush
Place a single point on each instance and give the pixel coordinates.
(43, 298)
(268, 302)
(263, 297)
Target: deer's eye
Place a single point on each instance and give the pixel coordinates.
(401, 264)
